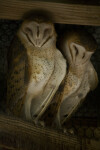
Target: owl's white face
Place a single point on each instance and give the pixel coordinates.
(76, 54)
(38, 34)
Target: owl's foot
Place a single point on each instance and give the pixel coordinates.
(69, 131)
(39, 123)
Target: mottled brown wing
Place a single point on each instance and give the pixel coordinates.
(17, 78)
(74, 101)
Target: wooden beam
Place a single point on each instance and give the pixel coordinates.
(62, 13)
(18, 134)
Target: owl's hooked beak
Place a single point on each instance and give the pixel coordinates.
(37, 43)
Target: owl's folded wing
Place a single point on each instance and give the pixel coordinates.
(93, 77)
(70, 104)
(17, 77)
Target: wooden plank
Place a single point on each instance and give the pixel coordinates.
(62, 13)
(84, 2)
(17, 134)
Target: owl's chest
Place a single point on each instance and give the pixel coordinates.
(41, 67)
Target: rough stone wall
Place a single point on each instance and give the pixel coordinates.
(8, 28)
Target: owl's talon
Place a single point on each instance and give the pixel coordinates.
(38, 122)
(64, 130)
(41, 123)
(35, 122)
(68, 131)
(71, 131)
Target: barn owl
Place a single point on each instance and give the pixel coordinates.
(35, 69)
(77, 46)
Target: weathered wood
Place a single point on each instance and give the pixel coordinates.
(17, 134)
(62, 13)
(89, 2)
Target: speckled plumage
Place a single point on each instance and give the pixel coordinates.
(77, 46)
(36, 69)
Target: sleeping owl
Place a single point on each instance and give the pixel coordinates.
(78, 47)
(35, 69)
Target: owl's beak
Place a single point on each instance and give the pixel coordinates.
(37, 44)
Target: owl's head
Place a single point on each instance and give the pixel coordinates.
(78, 46)
(37, 33)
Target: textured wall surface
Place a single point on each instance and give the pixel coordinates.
(90, 107)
